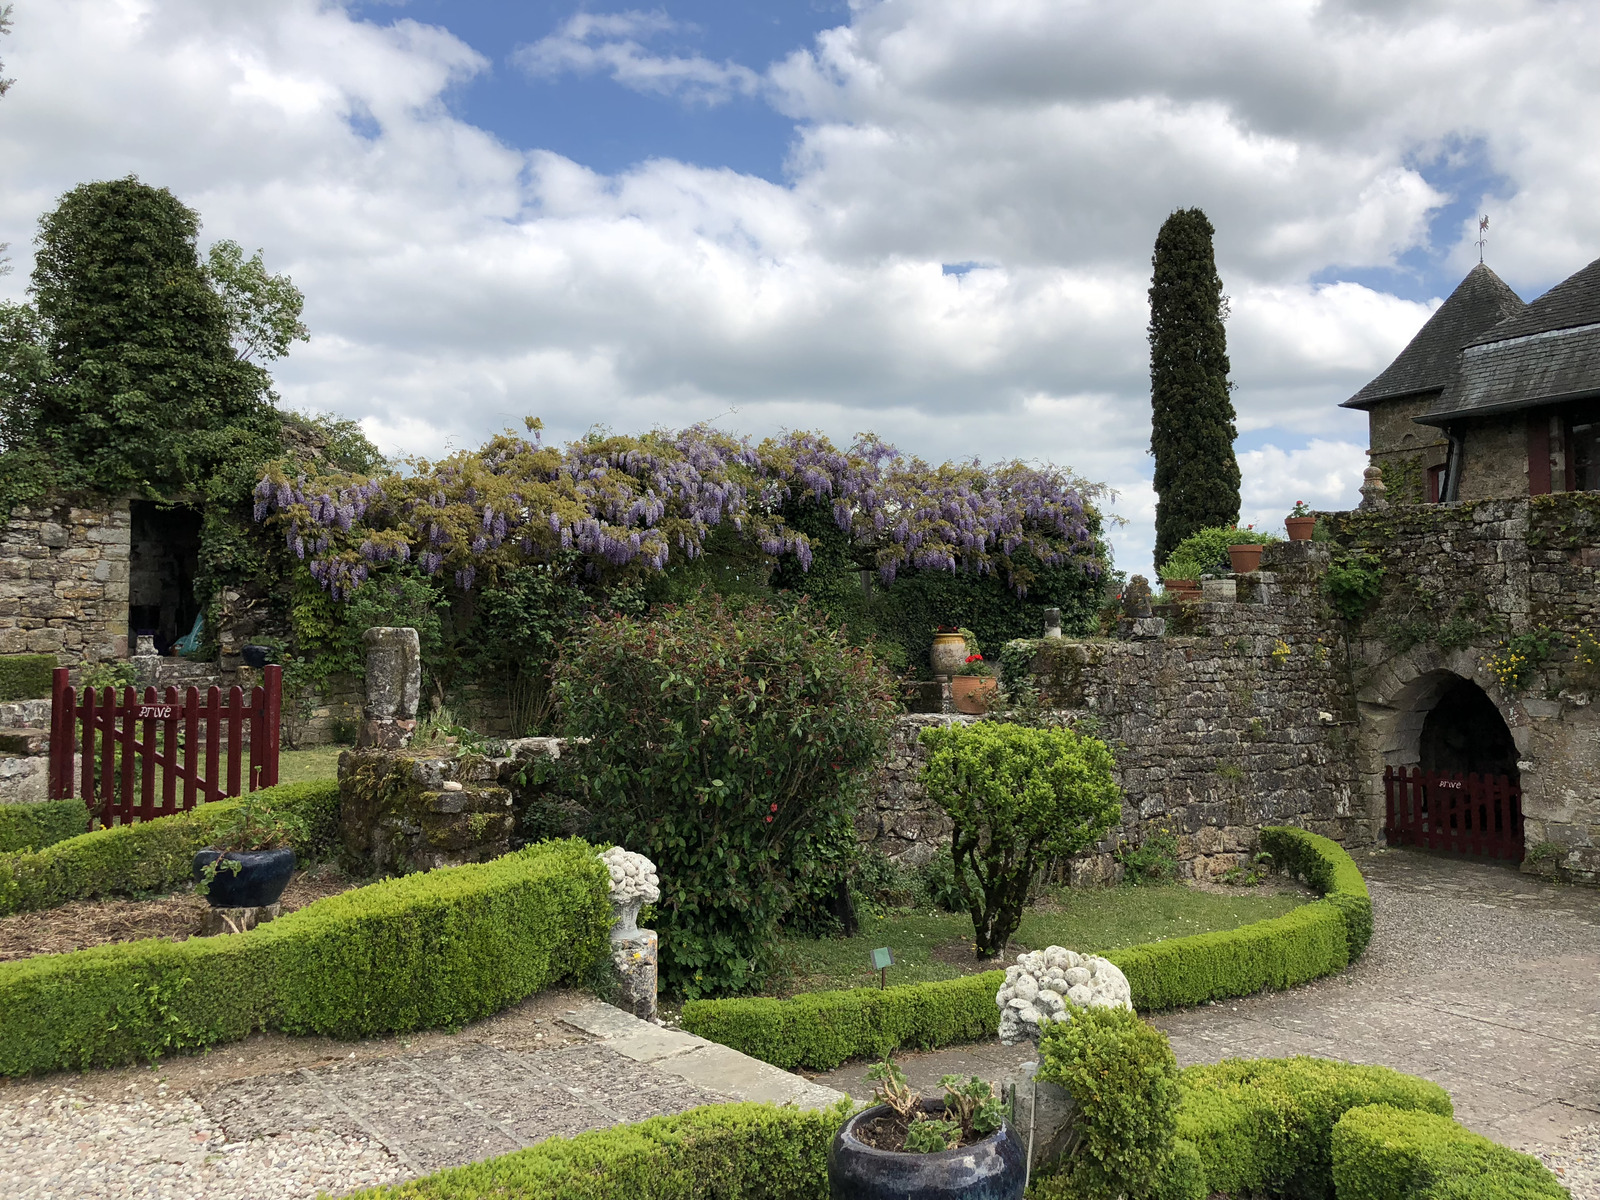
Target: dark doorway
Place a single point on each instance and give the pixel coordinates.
(163, 558)
(1465, 733)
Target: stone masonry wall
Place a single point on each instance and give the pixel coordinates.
(1238, 717)
(1459, 579)
(64, 582)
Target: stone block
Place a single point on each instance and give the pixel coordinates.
(215, 921)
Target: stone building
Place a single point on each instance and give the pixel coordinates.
(1493, 398)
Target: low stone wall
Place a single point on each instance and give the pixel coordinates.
(24, 751)
(896, 818)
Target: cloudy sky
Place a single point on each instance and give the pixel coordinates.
(927, 218)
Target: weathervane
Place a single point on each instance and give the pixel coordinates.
(1483, 235)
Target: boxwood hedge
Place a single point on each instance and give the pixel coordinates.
(33, 826)
(1382, 1151)
(428, 950)
(148, 856)
(26, 676)
(731, 1151)
(820, 1030)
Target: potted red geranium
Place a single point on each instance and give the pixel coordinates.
(1300, 522)
(973, 686)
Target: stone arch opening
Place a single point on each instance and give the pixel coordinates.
(1463, 732)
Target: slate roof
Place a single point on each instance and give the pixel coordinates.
(1428, 363)
(1547, 353)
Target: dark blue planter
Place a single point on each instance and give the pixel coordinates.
(256, 656)
(261, 878)
(993, 1169)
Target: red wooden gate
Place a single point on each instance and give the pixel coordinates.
(1472, 814)
(102, 745)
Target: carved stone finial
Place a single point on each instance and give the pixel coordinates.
(1052, 622)
(1136, 598)
(1373, 493)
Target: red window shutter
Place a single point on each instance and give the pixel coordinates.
(1538, 454)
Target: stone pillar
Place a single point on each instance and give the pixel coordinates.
(394, 685)
(1044, 1115)
(634, 883)
(1373, 491)
(1052, 622)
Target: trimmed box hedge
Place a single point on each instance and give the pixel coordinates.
(820, 1030)
(422, 951)
(1382, 1151)
(26, 676)
(731, 1151)
(1263, 1125)
(35, 825)
(150, 856)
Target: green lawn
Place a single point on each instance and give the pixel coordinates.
(1087, 920)
(302, 766)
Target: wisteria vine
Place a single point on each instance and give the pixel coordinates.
(629, 502)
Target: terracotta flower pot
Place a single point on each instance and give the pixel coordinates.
(948, 654)
(973, 693)
(1300, 528)
(1245, 558)
(1182, 590)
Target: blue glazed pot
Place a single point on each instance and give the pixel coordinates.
(260, 880)
(993, 1169)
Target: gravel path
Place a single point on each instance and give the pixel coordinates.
(1480, 978)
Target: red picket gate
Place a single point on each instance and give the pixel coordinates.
(1472, 814)
(102, 745)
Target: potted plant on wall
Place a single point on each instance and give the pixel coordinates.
(1300, 523)
(973, 686)
(906, 1145)
(1180, 579)
(250, 861)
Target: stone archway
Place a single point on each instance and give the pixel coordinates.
(1414, 706)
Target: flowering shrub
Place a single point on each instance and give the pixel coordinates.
(1518, 658)
(975, 665)
(632, 503)
(727, 748)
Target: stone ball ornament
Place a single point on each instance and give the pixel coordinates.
(634, 883)
(1043, 984)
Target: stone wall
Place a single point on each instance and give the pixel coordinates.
(1404, 449)
(64, 582)
(1495, 458)
(24, 751)
(896, 818)
(1459, 579)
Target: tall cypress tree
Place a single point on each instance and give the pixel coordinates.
(1192, 420)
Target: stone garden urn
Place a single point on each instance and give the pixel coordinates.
(634, 951)
(948, 654)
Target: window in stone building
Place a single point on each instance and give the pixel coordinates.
(1583, 450)
(163, 557)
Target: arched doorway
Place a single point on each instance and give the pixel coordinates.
(1463, 790)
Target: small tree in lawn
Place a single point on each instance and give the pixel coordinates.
(1016, 797)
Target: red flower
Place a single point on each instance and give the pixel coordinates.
(774, 809)
(974, 658)
(769, 820)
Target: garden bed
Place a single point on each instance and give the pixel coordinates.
(930, 945)
(175, 917)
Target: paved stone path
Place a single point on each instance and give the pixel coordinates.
(1479, 978)
(291, 1116)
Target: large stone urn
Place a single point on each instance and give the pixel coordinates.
(949, 653)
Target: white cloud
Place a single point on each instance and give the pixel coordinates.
(455, 283)
(613, 42)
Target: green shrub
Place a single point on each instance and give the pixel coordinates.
(26, 676)
(728, 747)
(1380, 1151)
(1123, 1077)
(1206, 552)
(1016, 796)
(35, 826)
(430, 950)
(1264, 1125)
(820, 1030)
(729, 1151)
(151, 856)
(1322, 864)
